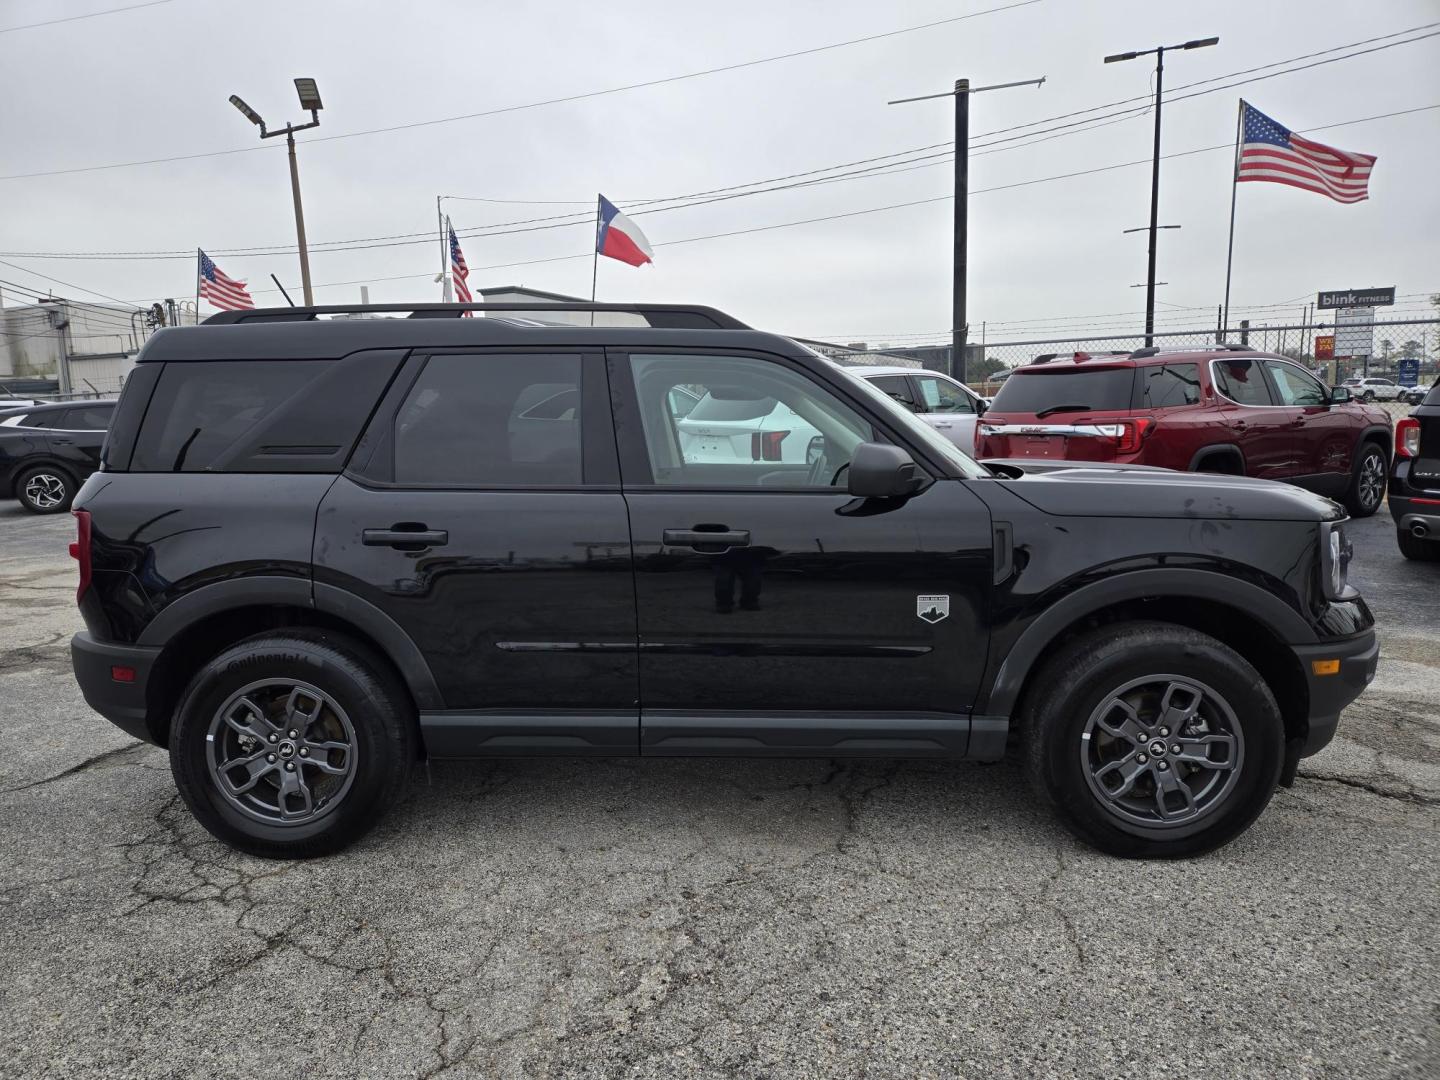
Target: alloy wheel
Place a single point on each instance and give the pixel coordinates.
(45, 491)
(1162, 751)
(281, 751)
(1372, 480)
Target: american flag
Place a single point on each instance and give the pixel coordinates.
(223, 292)
(1270, 153)
(458, 270)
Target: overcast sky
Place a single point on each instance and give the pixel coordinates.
(153, 82)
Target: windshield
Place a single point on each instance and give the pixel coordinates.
(1087, 390)
(917, 429)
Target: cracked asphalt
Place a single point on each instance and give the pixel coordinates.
(739, 919)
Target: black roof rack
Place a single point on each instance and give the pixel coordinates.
(667, 316)
(1223, 346)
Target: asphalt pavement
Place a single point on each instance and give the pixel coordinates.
(747, 919)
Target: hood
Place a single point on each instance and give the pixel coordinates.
(1102, 489)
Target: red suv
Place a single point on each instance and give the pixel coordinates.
(1218, 410)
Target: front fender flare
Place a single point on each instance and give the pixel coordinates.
(1282, 620)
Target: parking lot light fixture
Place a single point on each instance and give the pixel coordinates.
(249, 113)
(309, 95)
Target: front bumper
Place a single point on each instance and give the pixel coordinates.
(119, 700)
(1358, 657)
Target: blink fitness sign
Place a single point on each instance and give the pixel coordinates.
(1353, 298)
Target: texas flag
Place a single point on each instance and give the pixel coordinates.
(620, 238)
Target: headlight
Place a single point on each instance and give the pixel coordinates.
(1335, 554)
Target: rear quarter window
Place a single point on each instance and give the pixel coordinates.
(1164, 386)
(1034, 390)
(260, 415)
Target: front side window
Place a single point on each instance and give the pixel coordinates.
(1293, 386)
(943, 397)
(483, 420)
(1169, 385)
(757, 423)
(1241, 381)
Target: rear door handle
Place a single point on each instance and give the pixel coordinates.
(704, 538)
(406, 536)
(63, 442)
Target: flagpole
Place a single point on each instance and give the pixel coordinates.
(595, 258)
(1234, 187)
(442, 222)
(198, 254)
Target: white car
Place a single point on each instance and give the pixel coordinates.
(723, 430)
(1371, 389)
(947, 405)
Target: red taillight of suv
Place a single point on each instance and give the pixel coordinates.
(765, 445)
(80, 550)
(1407, 437)
(1129, 435)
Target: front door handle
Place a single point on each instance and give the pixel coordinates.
(702, 539)
(406, 535)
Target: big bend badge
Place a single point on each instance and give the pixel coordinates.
(932, 608)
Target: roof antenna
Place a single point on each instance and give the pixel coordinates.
(282, 290)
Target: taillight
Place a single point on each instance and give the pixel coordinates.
(1132, 433)
(765, 445)
(1407, 437)
(80, 550)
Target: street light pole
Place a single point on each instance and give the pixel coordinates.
(959, 317)
(309, 95)
(1159, 52)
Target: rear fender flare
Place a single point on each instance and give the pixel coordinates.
(1282, 620)
(1230, 450)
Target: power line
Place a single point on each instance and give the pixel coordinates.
(77, 18)
(584, 96)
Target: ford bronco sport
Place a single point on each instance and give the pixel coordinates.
(320, 550)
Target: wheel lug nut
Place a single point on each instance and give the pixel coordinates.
(274, 737)
(304, 751)
(1164, 731)
(1163, 766)
(1142, 759)
(289, 766)
(1142, 737)
(270, 757)
(294, 734)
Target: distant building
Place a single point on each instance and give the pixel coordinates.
(99, 340)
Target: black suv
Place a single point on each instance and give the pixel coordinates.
(322, 549)
(46, 451)
(1415, 480)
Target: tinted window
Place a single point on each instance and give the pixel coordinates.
(478, 420)
(1241, 381)
(92, 419)
(1293, 386)
(1033, 390)
(1169, 385)
(759, 424)
(898, 387)
(942, 396)
(260, 415)
(41, 419)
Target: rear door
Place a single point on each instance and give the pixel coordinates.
(78, 434)
(777, 614)
(482, 513)
(1266, 431)
(948, 409)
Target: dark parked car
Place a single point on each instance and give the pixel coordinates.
(47, 451)
(1415, 480)
(1222, 410)
(320, 550)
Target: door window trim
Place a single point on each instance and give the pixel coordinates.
(1264, 375)
(630, 433)
(372, 464)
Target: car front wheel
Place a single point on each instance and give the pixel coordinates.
(292, 744)
(1153, 740)
(45, 490)
(1367, 482)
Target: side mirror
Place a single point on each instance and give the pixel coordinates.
(1339, 395)
(882, 471)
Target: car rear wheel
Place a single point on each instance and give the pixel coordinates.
(1367, 482)
(1368, 396)
(1413, 547)
(45, 490)
(292, 744)
(1153, 740)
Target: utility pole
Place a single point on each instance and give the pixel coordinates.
(309, 95)
(959, 325)
(1159, 52)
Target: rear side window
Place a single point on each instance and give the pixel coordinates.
(714, 408)
(40, 419)
(482, 420)
(1094, 390)
(1169, 385)
(92, 419)
(898, 387)
(1242, 381)
(260, 415)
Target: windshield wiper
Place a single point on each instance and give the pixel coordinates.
(1064, 408)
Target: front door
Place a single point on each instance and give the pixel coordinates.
(483, 514)
(778, 614)
(1325, 439)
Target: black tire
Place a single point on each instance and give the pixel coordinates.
(1079, 682)
(1368, 480)
(44, 489)
(368, 710)
(1368, 396)
(1412, 547)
